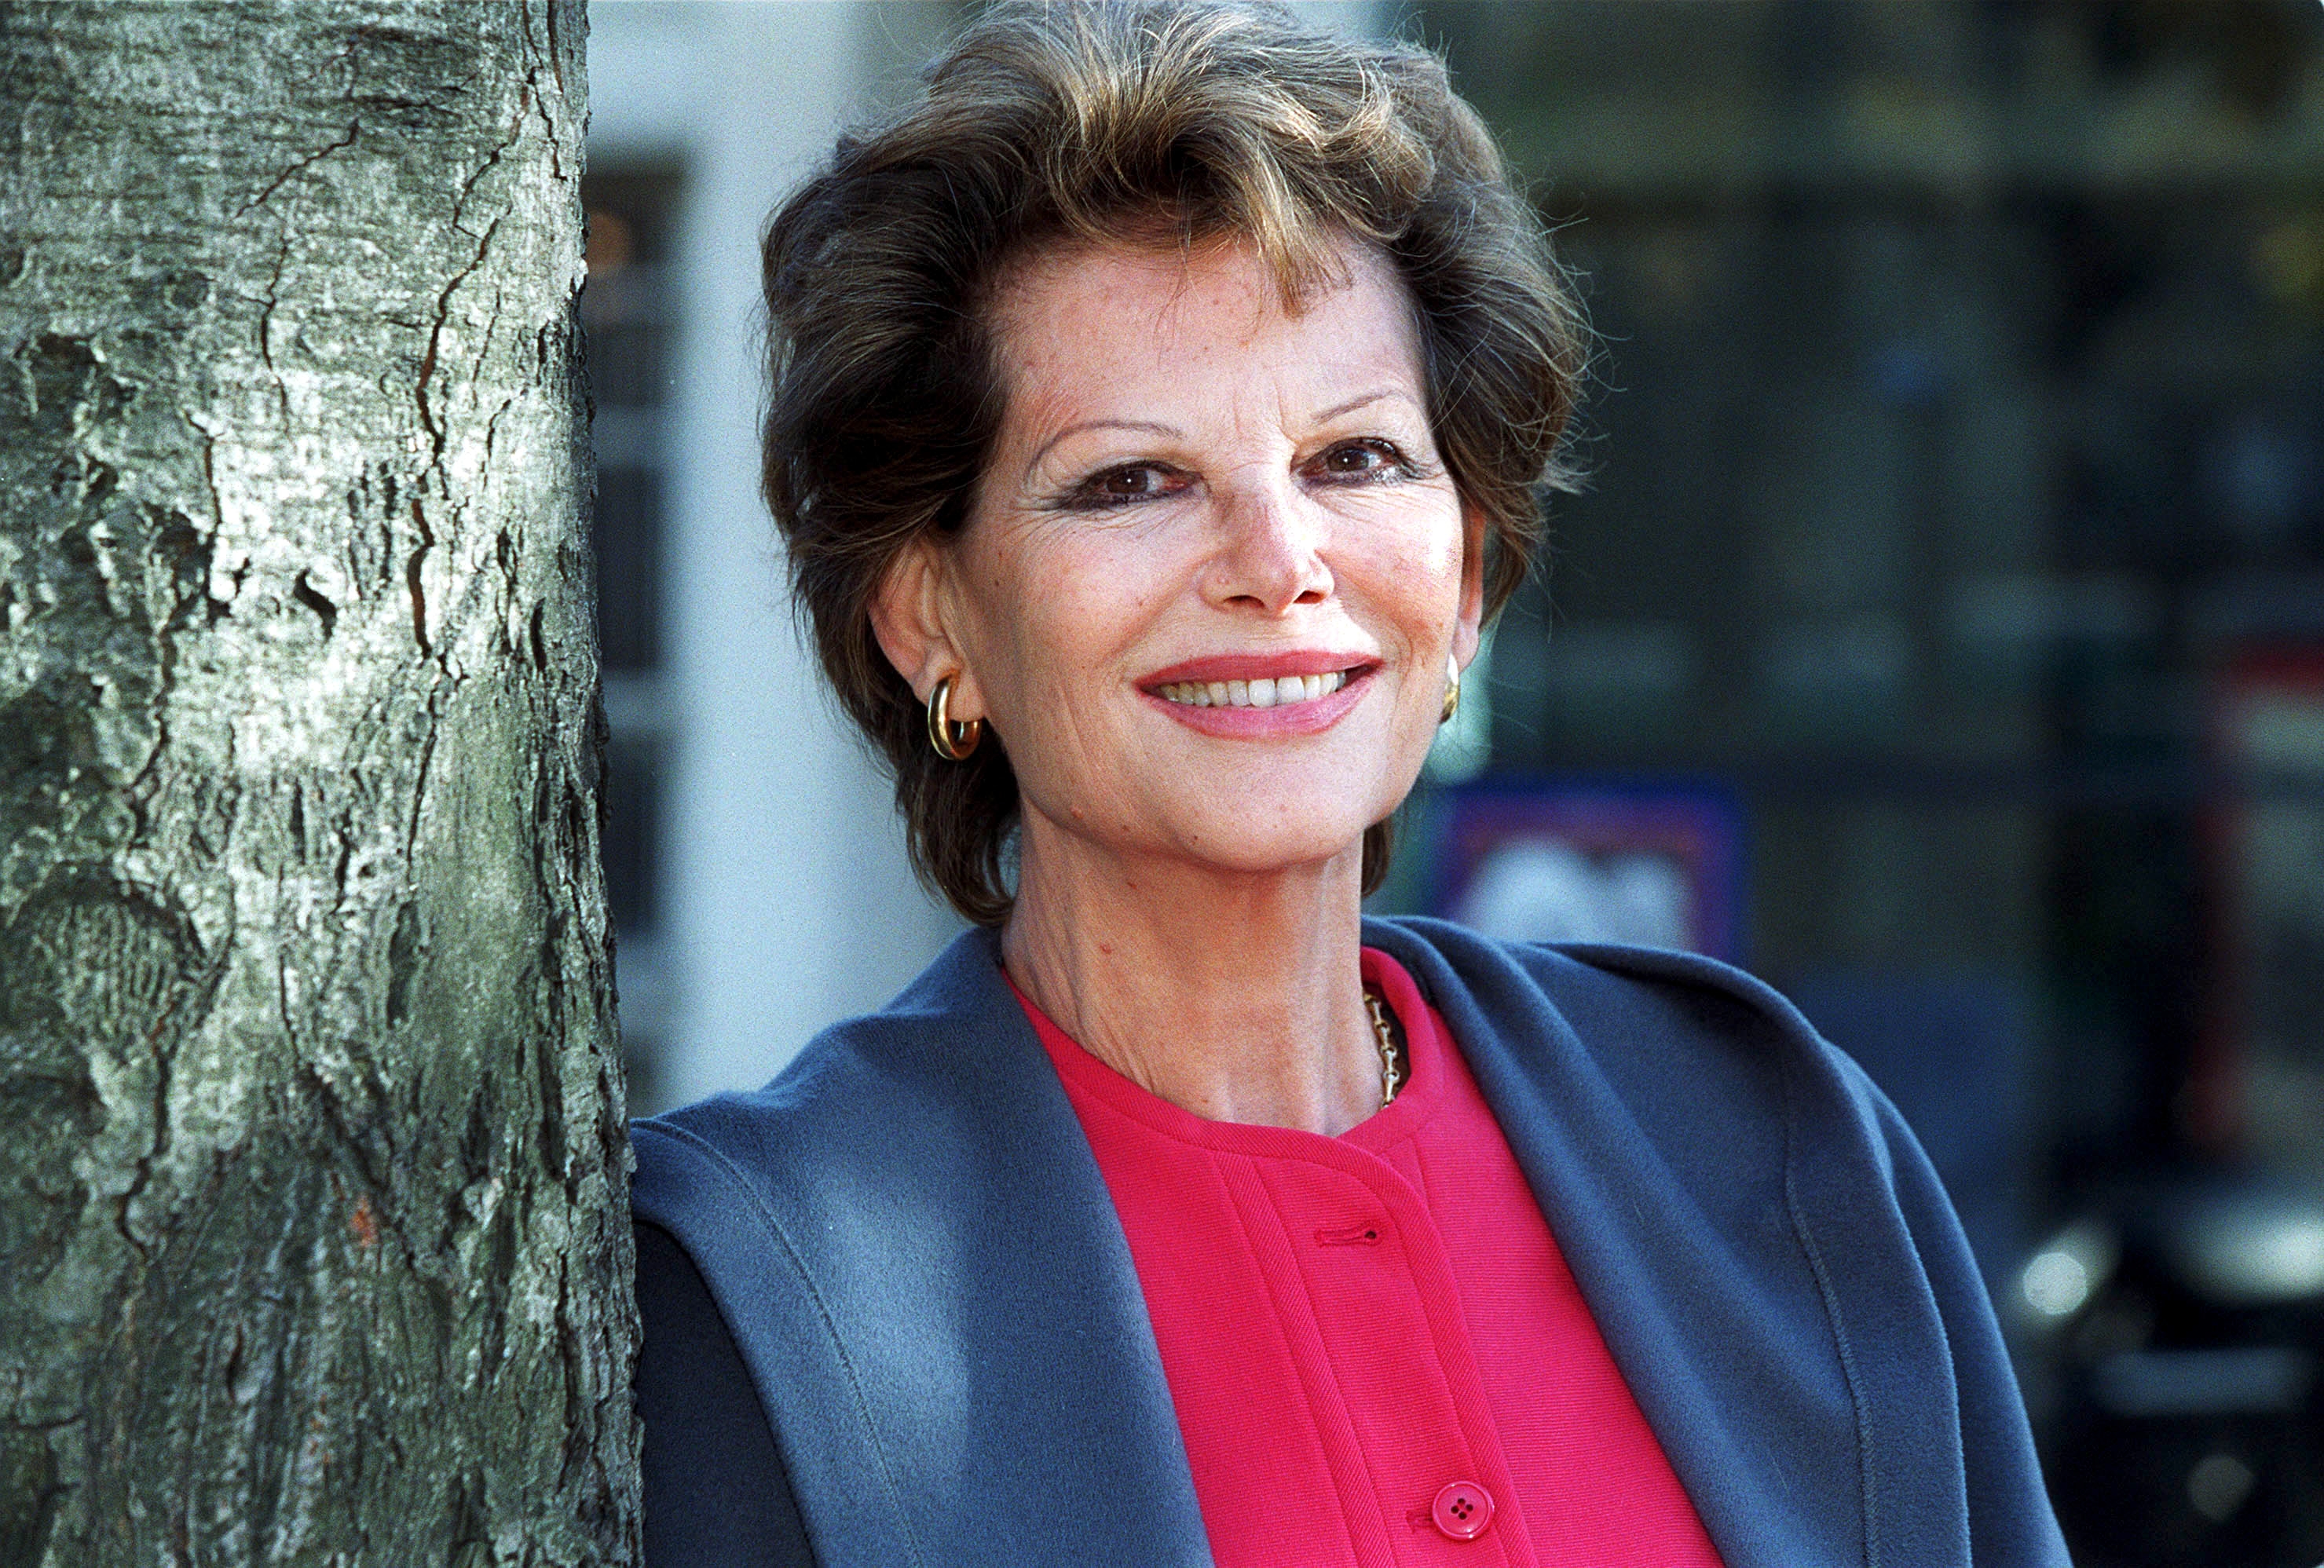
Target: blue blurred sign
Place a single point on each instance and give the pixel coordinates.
(1648, 862)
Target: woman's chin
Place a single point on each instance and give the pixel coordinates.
(1288, 814)
(1256, 839)
(1237, 852)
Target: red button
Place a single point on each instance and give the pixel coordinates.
(1462, 1510)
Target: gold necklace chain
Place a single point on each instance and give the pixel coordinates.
(1390, 1078)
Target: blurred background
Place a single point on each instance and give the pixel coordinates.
(1941, 634)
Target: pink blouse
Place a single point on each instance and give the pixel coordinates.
(1377, 1353)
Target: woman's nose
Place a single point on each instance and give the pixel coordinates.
(1270, 551)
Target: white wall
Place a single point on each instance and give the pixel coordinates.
(786, 900)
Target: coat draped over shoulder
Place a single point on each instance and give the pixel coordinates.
(909, 1240)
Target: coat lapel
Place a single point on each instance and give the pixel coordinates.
(925, 1276)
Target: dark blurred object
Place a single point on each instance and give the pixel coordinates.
(2178, 1337)
(632, 826)
(626, 314)
(628, 542)
(2260, 1086)
(626, 307)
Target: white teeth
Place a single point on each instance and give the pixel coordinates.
(1280, 692)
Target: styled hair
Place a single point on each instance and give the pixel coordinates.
(1160, 122)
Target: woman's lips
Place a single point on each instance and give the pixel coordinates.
(1278, 704)
(1282, 692)
(1256, 667)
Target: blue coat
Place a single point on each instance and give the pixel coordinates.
(912, 1247)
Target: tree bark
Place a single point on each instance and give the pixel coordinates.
(313, 1219)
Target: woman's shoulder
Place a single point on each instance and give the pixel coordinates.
(904, 1077)
(912, 1201)
(1579, 971)
(1670, 984)
(1669, 1033)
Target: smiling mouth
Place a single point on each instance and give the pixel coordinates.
(1282, 692)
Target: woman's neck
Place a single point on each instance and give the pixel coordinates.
(1235, 996)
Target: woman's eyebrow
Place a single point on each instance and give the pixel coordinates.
(1354, 403)
(1149, 426)
(1153, 427)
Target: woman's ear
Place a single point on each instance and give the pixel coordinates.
(1467, 624)
(910, 617)
(906, 618)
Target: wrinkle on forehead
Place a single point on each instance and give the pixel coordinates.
(1338, 255)
(1186, 264)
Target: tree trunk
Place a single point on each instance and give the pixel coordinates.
(313, 1219)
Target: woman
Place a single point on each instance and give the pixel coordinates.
(1160, 408)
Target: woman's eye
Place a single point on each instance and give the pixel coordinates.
(1360, 459)
(1132, 481)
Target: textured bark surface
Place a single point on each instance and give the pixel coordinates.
(312, 1204)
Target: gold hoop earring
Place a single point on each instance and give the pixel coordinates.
(951, 741)
(1451, 693)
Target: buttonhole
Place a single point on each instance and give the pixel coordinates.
(1352, 1236)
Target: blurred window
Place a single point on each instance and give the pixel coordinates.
(627, 313)
(1956, 502)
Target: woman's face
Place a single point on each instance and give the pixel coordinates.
(1213, 576)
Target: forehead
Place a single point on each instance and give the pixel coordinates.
(1119, 317)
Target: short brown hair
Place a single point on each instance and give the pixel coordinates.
(1176, 121)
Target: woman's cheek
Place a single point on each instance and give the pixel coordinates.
(1421, 580)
